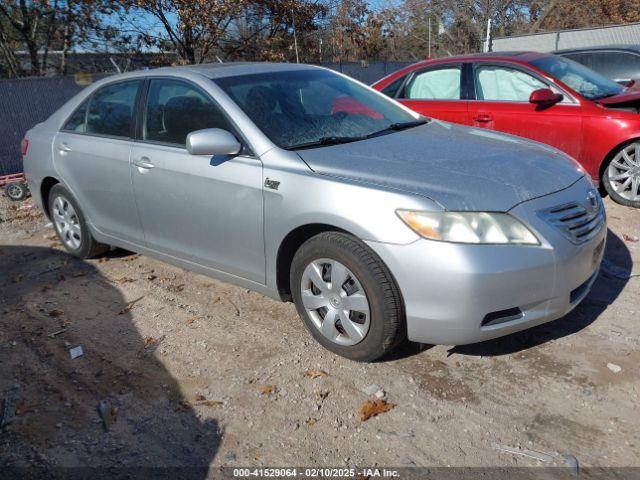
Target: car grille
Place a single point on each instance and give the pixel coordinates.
(578, 222)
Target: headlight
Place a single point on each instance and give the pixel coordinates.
(469, 227)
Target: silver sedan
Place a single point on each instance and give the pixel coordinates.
(304, 185)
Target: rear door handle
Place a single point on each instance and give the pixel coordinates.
(483, 118)
(144, 163)
(64, 148)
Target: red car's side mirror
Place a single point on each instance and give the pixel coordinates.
(545, 97)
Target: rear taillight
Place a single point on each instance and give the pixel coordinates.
(24, 146)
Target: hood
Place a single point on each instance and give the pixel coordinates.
(628, 98)
(458, 167)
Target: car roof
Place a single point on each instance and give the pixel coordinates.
(522, 56)
(631, 48)
(231, 69)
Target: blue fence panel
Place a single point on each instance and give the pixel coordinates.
(23, 103)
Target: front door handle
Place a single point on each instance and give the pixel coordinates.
(483, 118)
(144, 163)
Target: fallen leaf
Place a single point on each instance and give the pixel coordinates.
(192, 319)
(150, 342)
(371, 409)
(23, 408)
(103, 259)
(311, 421)
(56, 312)
(268, 390)
(200, 397)
(127, 308)
(130, 305)
(440, 364)
(629, 238)
(122, 280)
(78, 274)
(315, 373)
(216, 300)
(211, 403)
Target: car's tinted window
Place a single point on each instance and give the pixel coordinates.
(498, 83)
(111, 109)
(616, 65)
(440, 84)
(78, 121)
(392, 89)
(174, 109)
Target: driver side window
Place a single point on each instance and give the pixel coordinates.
(175, 108)
(497, 83)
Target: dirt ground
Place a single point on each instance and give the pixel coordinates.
(191, 371)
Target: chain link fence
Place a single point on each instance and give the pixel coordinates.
(25, 102)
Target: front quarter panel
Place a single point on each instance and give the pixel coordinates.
(304, 198)
(605, 129)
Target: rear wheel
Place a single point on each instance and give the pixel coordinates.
(621, 178)
(71, 225)
(16, 191)
(347, 297)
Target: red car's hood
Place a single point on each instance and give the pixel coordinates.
(630, 96)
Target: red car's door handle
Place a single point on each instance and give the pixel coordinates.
(483, 118)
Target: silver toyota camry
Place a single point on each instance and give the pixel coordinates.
(307, 186)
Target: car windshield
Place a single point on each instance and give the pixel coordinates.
(583, 80)
(307, 108)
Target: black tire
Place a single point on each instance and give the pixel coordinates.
(16, 191)
(88, 247)
(606, 183)
(387, 322)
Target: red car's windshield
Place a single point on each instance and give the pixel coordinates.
(583, 80)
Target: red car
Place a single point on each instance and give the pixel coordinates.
(539, 96)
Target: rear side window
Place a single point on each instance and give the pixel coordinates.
(78, 121)
(174, 109)
(440, 84)
(497, 83)
(111, 109)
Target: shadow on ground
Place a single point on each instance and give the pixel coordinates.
(49, 303)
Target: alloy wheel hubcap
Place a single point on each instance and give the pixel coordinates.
(624, 172)
(67, 223)
(335, 301)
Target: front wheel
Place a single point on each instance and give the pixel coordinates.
(621, 178)
(347, 297)
(71, 225)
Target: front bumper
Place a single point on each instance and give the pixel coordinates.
(456, 294)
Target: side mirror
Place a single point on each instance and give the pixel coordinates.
(545, 97)
(212, 141)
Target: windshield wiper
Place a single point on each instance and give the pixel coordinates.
(394, 127)
(323, 141)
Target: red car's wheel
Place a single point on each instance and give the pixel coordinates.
(621, 178)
